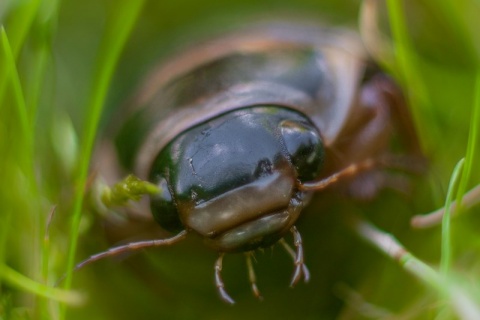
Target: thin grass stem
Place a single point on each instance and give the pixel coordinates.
(118, 29)
(473, 140)
(406, 59)
(446, 257)
(21, 282)
(463, 304)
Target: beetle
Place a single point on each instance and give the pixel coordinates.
(240, 131)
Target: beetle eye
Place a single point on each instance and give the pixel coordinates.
(305, 148)
(264, 168)
(163, 208)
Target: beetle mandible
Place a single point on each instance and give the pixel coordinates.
(240, 131)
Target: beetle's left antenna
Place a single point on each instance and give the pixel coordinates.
(129, 247)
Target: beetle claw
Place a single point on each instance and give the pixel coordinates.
(297, 275)
(301, 269)
(306, 273)
(219, 281)
(224, 296)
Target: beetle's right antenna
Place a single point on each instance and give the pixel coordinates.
(347, 172)
(396, 162)
(129, 247)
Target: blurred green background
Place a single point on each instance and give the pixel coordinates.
(49, 63)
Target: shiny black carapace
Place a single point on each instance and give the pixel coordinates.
(240, 131)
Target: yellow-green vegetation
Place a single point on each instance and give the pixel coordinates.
(66, 65)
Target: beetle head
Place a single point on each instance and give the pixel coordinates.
(234, 179)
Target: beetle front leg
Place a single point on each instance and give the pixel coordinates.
(219, 281)
(251, 276)
(305, 271)
(298, 260)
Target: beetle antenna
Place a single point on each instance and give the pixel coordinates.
(349, 171)
(129, 247)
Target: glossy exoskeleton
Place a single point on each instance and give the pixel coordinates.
(239, 132)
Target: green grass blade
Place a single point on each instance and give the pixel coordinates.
(118, 29)
(4, 232)
(454, 13)
(39, 55)
(34, 89)
(403, 51)
(4, 149)
(20, 105)
(17, 150)
(419, 99)
(16, 155)
(21, 282)
(19, 23)
(473, 140)
(446, 258)
(461, 300)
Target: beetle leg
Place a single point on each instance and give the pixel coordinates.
(381, 104)
(400, 113)
(470, 199)
(381, 111)
(219, 281)
(252, 277)
(298, 261)
(305, 271)
(129, 247)
(382, 97)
